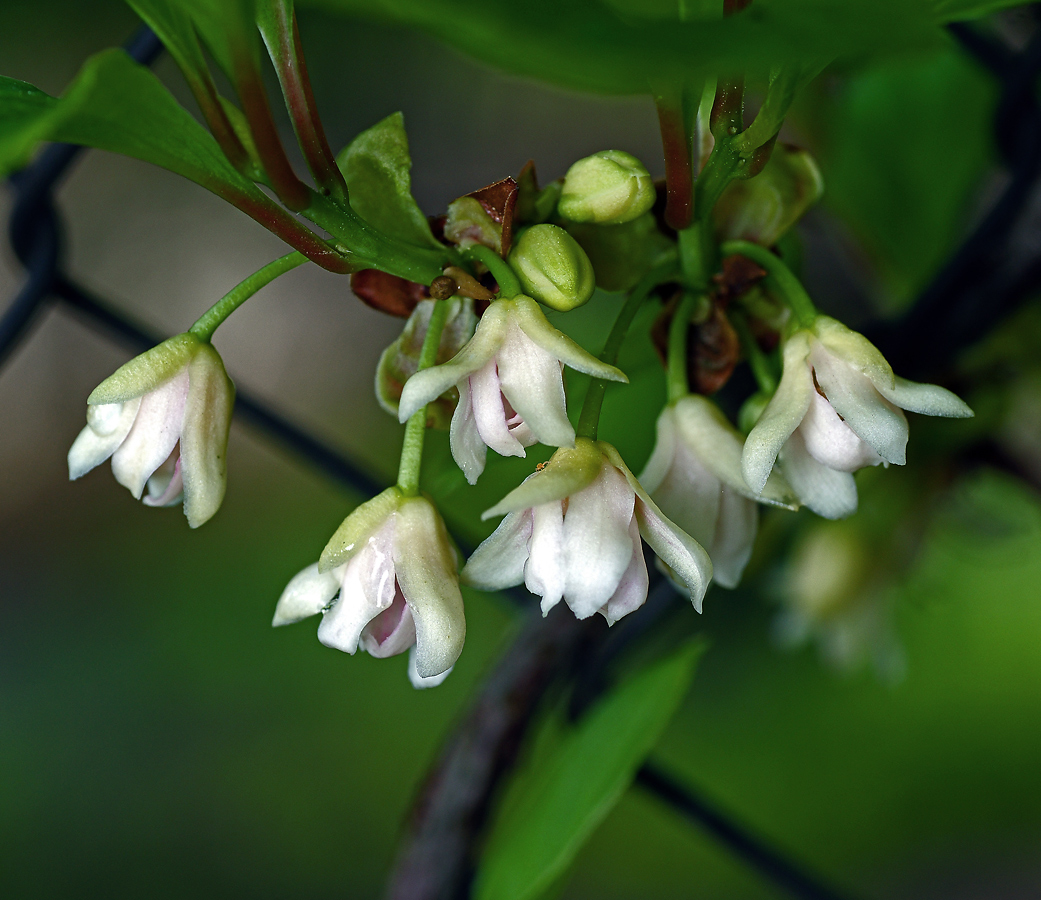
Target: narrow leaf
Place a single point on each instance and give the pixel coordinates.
(535, 841)
(376, 165)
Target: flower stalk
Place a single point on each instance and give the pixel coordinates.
(782, 277)
(509, 284)
(676, 364)
(412, 446)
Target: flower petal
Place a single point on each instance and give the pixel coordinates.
(690, 495)
(367, 589)
(532, 321)
(426, 571)
(145, 373)
(417, 680)
(392, 632)
(108, 424)
(871, 417)
(155, 433)
(855, 350)
(597, 546)
(204, 437)
(544, 573)
(781, 416)
(686, 559)
(568, 471)
(827, 492)
(702, 427)
(832, 442)
(426, 386)
(531, 380)
(735, 535)
(468, 450)
(927, 399)
(661, 458)
(498, 562)
(166, 486)
(356, 528)
(307, 594)
(490, 413)
(632, 589)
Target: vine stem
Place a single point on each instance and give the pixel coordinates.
(210, 320)
(509, 284)
(589, 418)
(677, 352)
(790, 287)
(412, 446)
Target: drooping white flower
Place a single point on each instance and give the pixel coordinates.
(573, 531)
(164, 418)
(694, 475)
(511, 389)
(386, 582)
(837, 409)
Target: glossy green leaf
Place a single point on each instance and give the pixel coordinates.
(376, 165)
(536, 839)
(174, 28)
(114, 104)
(623, 46)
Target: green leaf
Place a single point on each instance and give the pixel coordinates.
(115, 104)
(562, 804)
(623, 46)
(174, 28)
(376, 165)
(953, 10)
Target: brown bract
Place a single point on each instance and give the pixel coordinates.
(499, 200)
(388, 293)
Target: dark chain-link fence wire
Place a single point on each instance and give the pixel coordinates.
(986, 279)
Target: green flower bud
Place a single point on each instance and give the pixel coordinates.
(607, 188)
(553, 268)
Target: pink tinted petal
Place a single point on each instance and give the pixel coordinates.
(518, 428)
(392, 632)
(597, 546)
(544, 570)
(468, 450)
(489, 413)
(828, 492)
(533, 383)
(731, 547)
(831, 441)
(632, 589)
(166, 486)
(155, 432)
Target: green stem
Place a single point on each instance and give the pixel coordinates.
(415, 430)
(509, 285)
(677, 354)
(589, 418)
(789, 286)
(762, 367)
(216, 314)
(768, 121)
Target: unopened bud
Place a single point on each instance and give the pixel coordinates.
(443, 287)
(553, 268)
(607, 188)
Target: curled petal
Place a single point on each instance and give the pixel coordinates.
(426, 386)
(855, 350)
(871, 417)
(367, 590)
(392, 632)
(928, 399)
(204, 437)
(145, 373)
(532, 321)
(468, 450)
(108, 424)
(685, 557)
(417, 680)
(356, 528)
(781, 416)
(569, 470)
(631, 593)
(155, 432)
(498, 562)
(597, 546)
(828, 492)
(426, 571)
(833, 443)
(544, 572)
(489, 412)
(731, 547)
(166, 486)
(532, 382)
(307, 594)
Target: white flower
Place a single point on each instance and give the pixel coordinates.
(572, 531)
(164, 418)
(511, 389)
(837, 409)
(694, 475)
(393, 568)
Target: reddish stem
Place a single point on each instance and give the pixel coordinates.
(679, 162)
(205, 93)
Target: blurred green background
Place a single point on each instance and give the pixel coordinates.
(158, 738)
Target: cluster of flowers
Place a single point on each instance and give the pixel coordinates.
(388, 581)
